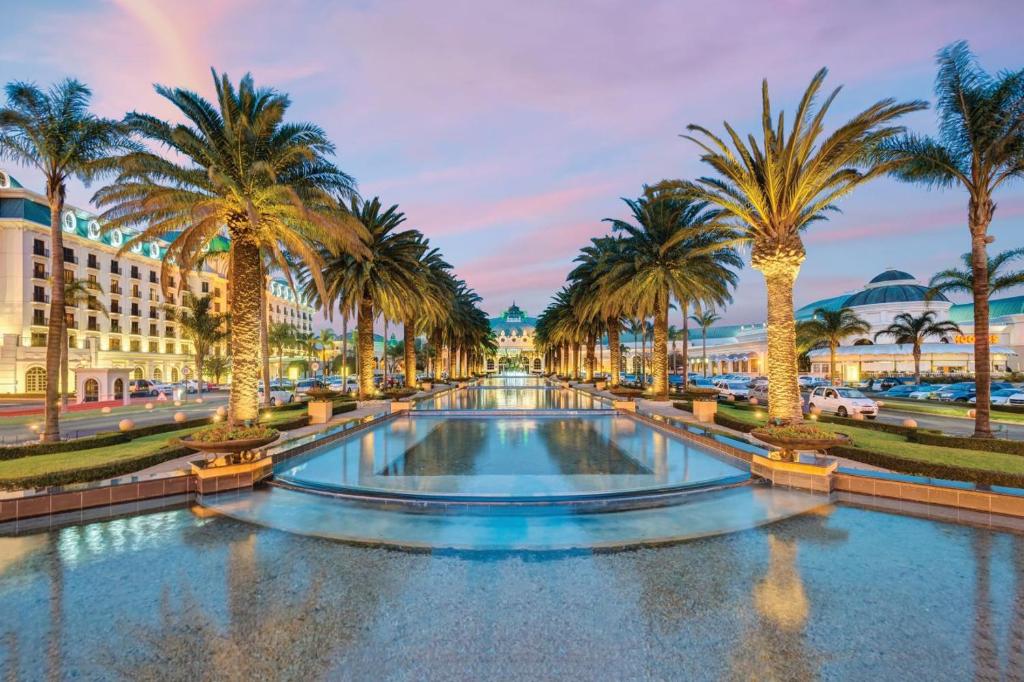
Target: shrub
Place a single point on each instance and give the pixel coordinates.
(96, 441)
(1006, 447)
(398, 393)
(804, 431)
(95, 473)
(322, 394)
(735, 424)
(343, 406)
(225, 432)
(931, 470)
(626, 392)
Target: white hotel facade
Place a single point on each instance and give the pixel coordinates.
(138, 334)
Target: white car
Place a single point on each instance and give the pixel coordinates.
(844, 402)
(737, 389)
(278, 396)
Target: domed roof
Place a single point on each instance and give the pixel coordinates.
(893, 293)
(892, 276)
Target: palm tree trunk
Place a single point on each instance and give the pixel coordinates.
(364, 340)
(780, 269)
(643, 353)
(917, 364)
(704, 349)
(409, 337)
(247, 275)
(280, 363)
(615, 352)
(574, 361)
(659, 361)
(590, 358)
(384, 352)
(832, 364)
(55, 328)
(264, 340)
(979, 218)
(686, 346)
(64, 365)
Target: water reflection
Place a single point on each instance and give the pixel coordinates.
(512, 398)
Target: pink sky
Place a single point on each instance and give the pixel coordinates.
(508, 131)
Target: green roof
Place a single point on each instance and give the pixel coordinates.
(999, 307)
(834, 303)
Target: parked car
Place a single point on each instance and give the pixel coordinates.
(702, 382)
(905, 390)
(956, 393)
(737, 389)
(808, 381)
(142, 388)
(279, 395)
(304, 385)
(166, 389)
(842, 401)
(1004, 396)
(759, 391)
(924, 392)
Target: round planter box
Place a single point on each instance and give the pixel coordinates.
(790, 445)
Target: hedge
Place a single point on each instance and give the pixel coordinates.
(917, 468)
(730, 423)
(1006, 447)
(101, 440)
(342, 407)
(96, 473)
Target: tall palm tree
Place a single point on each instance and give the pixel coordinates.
(200, 325)
(424, 313)
(961, 280)
(594, 303)
(705, 319)
(674, 334)
(382, 281)
(281, 336)
(54, 132)
(670, 250)
(236, 167)
(830, 328)
(980, 147)
(915, 330)
(325, 343)
(76, 292)
(771, 190)
(216, 366)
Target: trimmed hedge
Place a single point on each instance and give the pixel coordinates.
(100, 440)
(730, 423)
(344, 406)
(96, 473)
(1006, 447)
(897, 429)
(916, 468)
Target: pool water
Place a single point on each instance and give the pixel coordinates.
(504, 397)
(840, 594)
(518, 457)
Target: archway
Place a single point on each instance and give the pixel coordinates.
(92, 390)
(138, 374)
(35, 380)
(118, 389)
(536, 364)
(174, 375)
(158, 375)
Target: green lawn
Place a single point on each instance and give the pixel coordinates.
(37, 465)
(895, 445)
(946, 410)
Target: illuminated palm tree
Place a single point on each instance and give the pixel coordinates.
(594, 303)
(915, 330)
(281, 335)
(670, 250)
(770, 190)
(379, 283)
(830, 328)
(54, 132)
(980, 147)
(705, 319)
(235, 167)
(216, 366)
(428, 310)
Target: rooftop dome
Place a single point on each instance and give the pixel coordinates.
(892, 293)
(892, 276)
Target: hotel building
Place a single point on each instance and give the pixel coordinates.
(135, 332)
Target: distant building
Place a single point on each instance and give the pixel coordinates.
(137, 335)
(514, 333)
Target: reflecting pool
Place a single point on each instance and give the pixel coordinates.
(844, 594)
(503, 397)
(510, 456)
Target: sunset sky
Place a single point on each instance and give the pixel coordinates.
(508, 131)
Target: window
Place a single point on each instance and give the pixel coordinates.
(136, 292)
(135, 309)
(136, 347)
(92, 279)
(169, 348)
(39, 248)
(39, 295)
(35, 380)
(169, 331)
(38, 271)
(115, 289)
(115, 308)
(216, 292)
(174, 375)
(138, 374)
(152, 330)
(115, 267)
(135, 272)
(114, 343)
(154, 347)
(38, 339)
(152, 277)
(206, 287)
(69, 275)
(115, 327)
(39, 317)
(93, 304)
(69, 255)
(93, 327)
(92, 261)
(72, 341)
(135, 328)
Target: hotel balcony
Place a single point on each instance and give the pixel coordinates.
(41, 252)
(45, 298)
(40, 275)
(40, 322)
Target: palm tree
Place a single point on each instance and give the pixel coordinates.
(216, 366)
(594, 303)
(915, 330)
(76, 292)
(426, 312)
(770, 191)
(280, 336)
(674, 334)
(53, 132)
(705, 319)
(670, 250)
(961, 280)
(204, 328)
(980, 146)
(383, 281)
(325, 343)
(830, 328)
(235, 167)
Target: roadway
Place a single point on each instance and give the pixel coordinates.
(78, 424)
(954, 426)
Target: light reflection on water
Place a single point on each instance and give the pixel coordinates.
(843, 594)
(512, 398)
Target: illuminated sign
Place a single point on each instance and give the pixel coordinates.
(969, 338)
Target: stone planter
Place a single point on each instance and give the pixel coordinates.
(789, 447)
(705, 411)
(320, 411)
(625, 405)
(399, 406)
(814, 475)
(426, 386)
(224, 473)
(228, 447)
